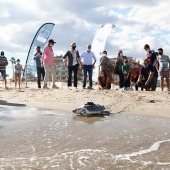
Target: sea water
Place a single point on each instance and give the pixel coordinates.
(49, 139)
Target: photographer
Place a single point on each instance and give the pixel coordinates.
(146, 77)
(119, 63)
(40, 68)
(107, 66)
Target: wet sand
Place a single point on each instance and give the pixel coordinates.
(34, 139)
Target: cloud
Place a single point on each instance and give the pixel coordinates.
(137, 23)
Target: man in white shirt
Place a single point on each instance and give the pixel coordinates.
(87, 58)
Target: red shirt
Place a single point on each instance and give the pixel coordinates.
(137, 74)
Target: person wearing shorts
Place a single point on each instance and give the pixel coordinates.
(163, 68)
(3, 64)
(18, 69)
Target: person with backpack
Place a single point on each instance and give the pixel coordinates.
(73, 64)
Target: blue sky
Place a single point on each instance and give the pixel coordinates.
(137, 23)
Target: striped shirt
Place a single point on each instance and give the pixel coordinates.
(3, 62)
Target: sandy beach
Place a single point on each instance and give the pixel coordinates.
(132, 102)
(39, 131)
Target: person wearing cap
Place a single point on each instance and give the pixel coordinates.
(119, 63)
(125, 71)
(163, 68)
(73, 64)
(40, 68)
(18, 69)
(3, 64)
(48, 63)
(88, 59)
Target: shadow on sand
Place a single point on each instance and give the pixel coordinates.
(2, 102)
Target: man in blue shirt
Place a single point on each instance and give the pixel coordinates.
(40, 68)
(87, 58)
(146, 77)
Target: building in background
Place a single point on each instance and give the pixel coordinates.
(62, 72)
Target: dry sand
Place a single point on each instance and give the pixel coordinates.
(127, 102)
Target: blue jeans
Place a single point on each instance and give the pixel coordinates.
(87, 69)
(3, 73)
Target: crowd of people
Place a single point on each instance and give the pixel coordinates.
(144, 76)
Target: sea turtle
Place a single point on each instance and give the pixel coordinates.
(89, 109)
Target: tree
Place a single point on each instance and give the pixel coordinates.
(13, 61)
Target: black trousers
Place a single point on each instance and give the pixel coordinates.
(127, 81)
(121, 79)
(136, 86)
(73, 69)
(40, 71)
(150, 85)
